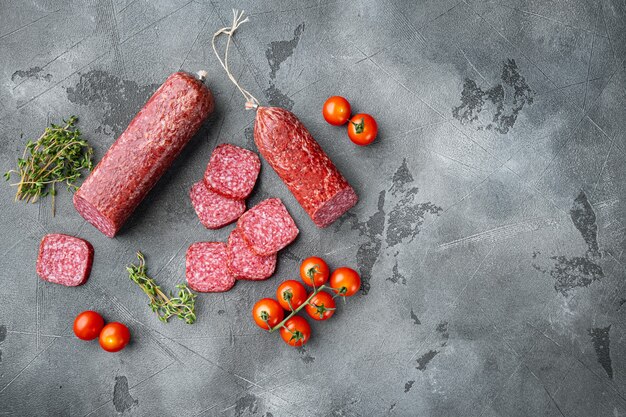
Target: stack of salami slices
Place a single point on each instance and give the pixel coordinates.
(219, 198)
(251, 251)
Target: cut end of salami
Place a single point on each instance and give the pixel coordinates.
(213, 209)
(267, 227)
(245, 264)
(232, 171)
(207, 267)
(95, 217)
(334, 208)
(64, 260)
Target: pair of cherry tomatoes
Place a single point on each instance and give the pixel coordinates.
(292, 296)
(113, 337)
(362, 128)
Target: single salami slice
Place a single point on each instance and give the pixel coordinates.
(213, 209)
(64, 259)
(245, 264)
(267, 227)
(207, 267)
(232, 171)
(146, 149)
(303, 166)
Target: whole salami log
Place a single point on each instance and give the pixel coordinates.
(146, 149)
(303, 166)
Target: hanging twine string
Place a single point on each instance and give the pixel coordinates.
(238, 20)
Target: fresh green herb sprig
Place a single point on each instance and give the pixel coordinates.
(59, 155)
(165, 306)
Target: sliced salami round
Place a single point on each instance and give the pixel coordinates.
(206, 267)
(267, 227)
(232, 171)
(64, 259)
(213, 209)
(245, 264)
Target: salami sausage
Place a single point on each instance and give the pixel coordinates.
(267, 227)
(146, 149)
(245, 264)
(232, 171)
(214, 210)
(64, 259)
(303, 166)
(206, 267)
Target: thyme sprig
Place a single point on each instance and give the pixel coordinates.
(182, 306)
(59, 155)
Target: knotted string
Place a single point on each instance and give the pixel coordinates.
(238, 20)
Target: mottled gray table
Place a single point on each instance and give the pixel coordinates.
(490, 234)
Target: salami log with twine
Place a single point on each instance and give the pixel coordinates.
(291, 151)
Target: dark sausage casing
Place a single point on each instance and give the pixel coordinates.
(303, 166)
(146, 149)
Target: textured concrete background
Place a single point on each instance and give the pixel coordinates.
(490, 234)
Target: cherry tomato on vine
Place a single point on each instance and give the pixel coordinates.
(336, 110)
(314, 271)
(321, 306)
(88, 324)
(345, 281)
(267, 313)
(296, 331)
(362, 129)
(291, 292)
(114, 337)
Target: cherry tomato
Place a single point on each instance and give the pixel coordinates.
(321, 306)
(293, 291)
(362, 129)
(314, 271)
(336, 110)
(296, 331)
(346, 281)
(114, 337)
(88, 324)
(267, 313)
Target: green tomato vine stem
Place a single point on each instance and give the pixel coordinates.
(306, 302)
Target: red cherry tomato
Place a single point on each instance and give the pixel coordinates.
(362, 129)
(267, 313)
(345, 281)
(296, 331)
(88, 324)
(321, 306)
(314, 271)
(336, 110)
(291, 292)
(114, 337)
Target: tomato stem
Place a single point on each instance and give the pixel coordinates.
(294, 312)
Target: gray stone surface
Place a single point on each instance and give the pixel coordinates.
(490, 234)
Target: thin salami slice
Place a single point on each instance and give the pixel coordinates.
(213, 209)
(207, 269)
(64, 259)
(267, 227)
(232, 171)
(245, 264)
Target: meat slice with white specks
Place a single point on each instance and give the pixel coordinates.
(207, 267)
(64, 259)
(214, 210)
(267, 227)
(232, 171)
(245, 264)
